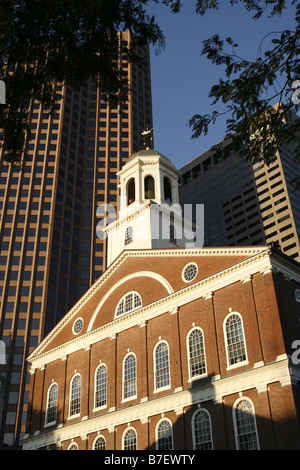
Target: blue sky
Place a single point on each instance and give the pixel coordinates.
(182, 78)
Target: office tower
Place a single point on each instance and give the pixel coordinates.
(50, 254)
(245, 203)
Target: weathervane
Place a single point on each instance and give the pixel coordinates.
(148, 138)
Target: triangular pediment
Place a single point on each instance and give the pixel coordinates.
(156, 275)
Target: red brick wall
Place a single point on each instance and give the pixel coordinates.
(255, 300)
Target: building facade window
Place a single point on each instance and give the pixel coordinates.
(129, 440)
(162, 367)
(196, 353)
(189, 272)
(51, 411)
(235, 341)
(75, 396)
(128, 236)
(129, 377)
(201, 427)
(101, 386)
(129, 302)
(99, 443)
(73, 446)
(245, 425)
(164, 435)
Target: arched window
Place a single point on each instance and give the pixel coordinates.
(128, 302)
(130, 440)
(130, 191)
(196, 353)
(129, 376)
(75, 395)
(51, 411)
(164, 437)
(162, 368)
(167, 190)
(202, 435)
(101, 386)
(128, 236)
(149, 184)
(73, 446)
(236, 347)
(99, 443)
(245, 425)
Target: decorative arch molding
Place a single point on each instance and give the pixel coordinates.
(150, 274)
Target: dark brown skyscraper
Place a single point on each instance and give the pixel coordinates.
(49, 251)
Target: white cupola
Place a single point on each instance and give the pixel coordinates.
(150, 215)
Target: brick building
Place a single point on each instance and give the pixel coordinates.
(172, 347)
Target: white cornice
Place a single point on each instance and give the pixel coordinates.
(259, 377)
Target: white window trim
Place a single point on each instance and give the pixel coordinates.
(193, 426)
(238, 364)
(124, 433)
(156, 432)
(73, 444)
(96, 438)
(73, 327)
(133, 397)
(96, 408)
(182, 273)
(123, 298)
(199, 376)
(70, 393)
(46, 414)
(234, 407)
(166, 387)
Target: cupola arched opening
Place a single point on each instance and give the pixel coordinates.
(167, 190)
(149, 186)
(130, 191)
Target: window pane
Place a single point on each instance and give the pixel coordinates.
(245, 423)
(75, 396)
(52, 404)
(130, 440)
(202, 429)
(235, 340)
(101, 386)
(162, 365)
(164, 436)
(130, 376)
(197, 354)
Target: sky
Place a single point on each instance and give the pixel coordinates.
(182, 78)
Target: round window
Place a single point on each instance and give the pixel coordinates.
(189, 272)
(77, 326)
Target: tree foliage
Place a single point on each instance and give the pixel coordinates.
(68, 41)
(248, 89)
(43, 42)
